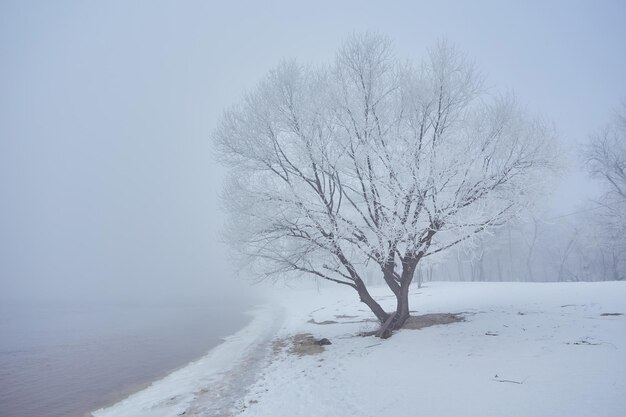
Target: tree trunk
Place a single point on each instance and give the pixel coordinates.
(388, 276)
(531, 247)
(366, 298)
(460, 267)
(420, 278)
(402, 308)
(615, 267)
(397, 319)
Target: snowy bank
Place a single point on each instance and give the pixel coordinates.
(524, 349)
(212, 384)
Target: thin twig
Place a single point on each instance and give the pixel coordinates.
(496, 378)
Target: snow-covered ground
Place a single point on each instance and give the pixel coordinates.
(531, 350)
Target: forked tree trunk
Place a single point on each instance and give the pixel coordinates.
(396, 320)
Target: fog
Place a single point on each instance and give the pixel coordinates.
(108, 183)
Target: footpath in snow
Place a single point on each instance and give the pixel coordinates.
(523, 349)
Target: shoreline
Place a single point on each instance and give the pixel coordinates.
(190, 384)
(67, 360)
(132, 389)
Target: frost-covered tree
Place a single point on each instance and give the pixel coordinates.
(373, 160)
(606, 159)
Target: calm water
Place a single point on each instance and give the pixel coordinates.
(65, 361)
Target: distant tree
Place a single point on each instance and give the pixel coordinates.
(606, 160)
(606, 156)
(373, 160)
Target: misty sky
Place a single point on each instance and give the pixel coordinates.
(108, 189)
